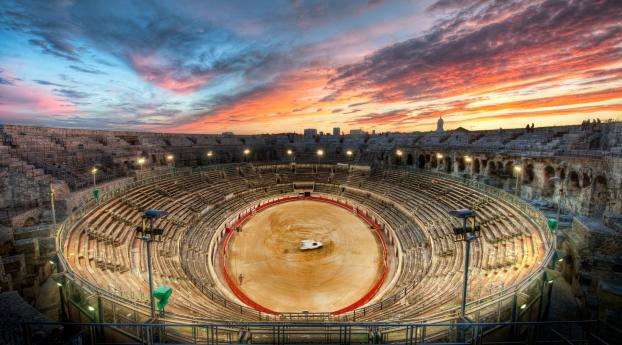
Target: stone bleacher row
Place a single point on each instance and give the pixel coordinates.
(104, 249)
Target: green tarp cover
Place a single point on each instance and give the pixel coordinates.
(162, 293)
(552, 223)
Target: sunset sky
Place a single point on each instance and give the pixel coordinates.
(282, 66)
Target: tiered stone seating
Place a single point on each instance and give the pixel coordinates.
(103, 247)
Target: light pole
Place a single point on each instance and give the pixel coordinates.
(246, 153)
(171, 161)
(399, 154)
(94, 173)
(209, 156)
(439, 157)
(320, 153)
(150, 234)
(52, 196)
(466, 234)
(290, 154)
(468, 160)
(517, 171)
(557, 179)
(349, 154)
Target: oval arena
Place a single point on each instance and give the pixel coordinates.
(229, 245)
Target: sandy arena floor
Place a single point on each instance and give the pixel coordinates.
(277, 275)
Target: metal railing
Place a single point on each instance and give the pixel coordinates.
(566, 332)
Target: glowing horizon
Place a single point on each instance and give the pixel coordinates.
(282, 66)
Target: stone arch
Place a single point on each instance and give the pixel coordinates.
(548, 187)
(421, 162)
(476, 166)
(447, 166)
(585, 180)
(598, 200)
(529, 173)
(509, 168)
(573, 183)
(491, 169)
(409, 159)
(460, 163)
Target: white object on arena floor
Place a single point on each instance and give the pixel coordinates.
(310, 244)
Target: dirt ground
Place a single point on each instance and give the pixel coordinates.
(265, 261)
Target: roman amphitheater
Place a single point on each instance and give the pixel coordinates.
(219, 221)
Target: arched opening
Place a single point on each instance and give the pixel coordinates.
(508, 170)
(421, 162)
(491, 169)
(585, 181)
(461, 165)
(409, 159)
(447, 164)
(529, 173)
(476, 166)
(598, 201)
(573, 184)
(549, 186)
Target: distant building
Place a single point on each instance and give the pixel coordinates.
(439, 125)
(227, 134)
(336, 131)
(310, 132)
(356, 132)
(321, 133)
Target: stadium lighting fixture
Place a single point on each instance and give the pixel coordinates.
(59, 284)
(523, 306)
(90, 308)
(466, 234)
(550, 281)
(150, 234)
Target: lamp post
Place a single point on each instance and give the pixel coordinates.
(94, 173)
(556, 179)
(52, 197)
(148, 235)
(290, 154)
(170, 159)
(468, 160)
(399, 154)
(439, 157)
(319, 153)
(466, 234)
(518, 172)
(349, 154)
(246, 153)
(209, 156)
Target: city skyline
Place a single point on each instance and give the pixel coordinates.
(283, 66)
